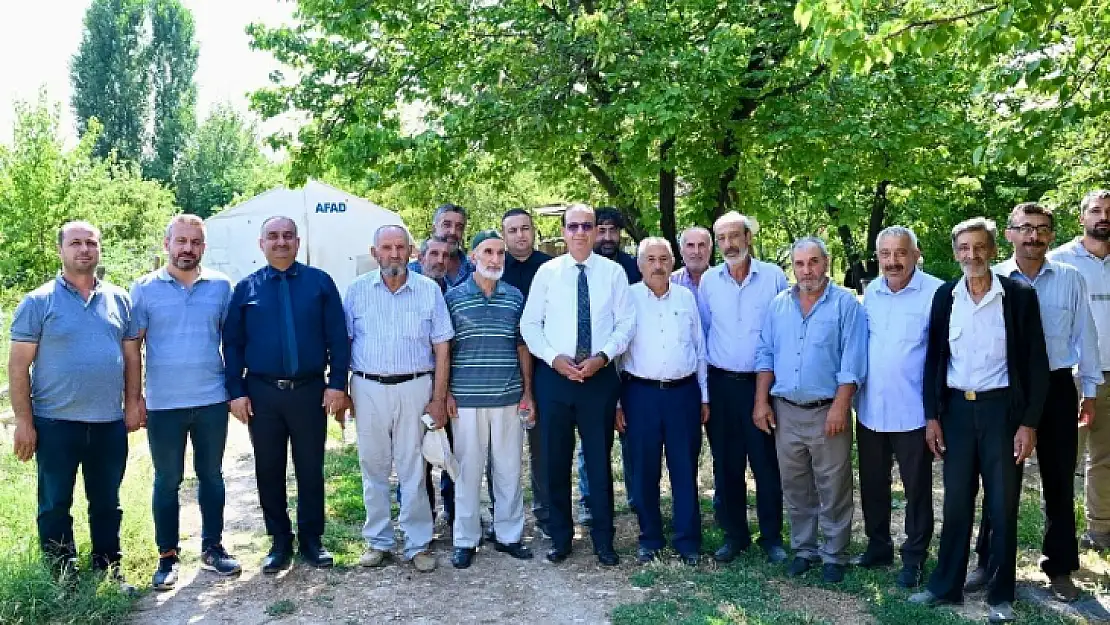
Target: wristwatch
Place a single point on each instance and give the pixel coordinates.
(604, 357)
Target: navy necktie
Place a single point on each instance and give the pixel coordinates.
(289, 341)
(582, 347)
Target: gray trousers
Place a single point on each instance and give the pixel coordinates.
(816, 476)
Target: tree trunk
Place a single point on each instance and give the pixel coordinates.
(855, 272)
(668, 224)
(875, 225)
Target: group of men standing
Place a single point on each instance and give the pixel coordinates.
(504, 343)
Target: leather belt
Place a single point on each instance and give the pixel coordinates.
(748, 376)
(288, 384)
(809, 405)
(994, 393)
(661, 384)
(391, 379)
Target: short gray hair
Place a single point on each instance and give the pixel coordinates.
(270, 220)
(975, 224)
(84, 225)
(897, 231)
(648, 242)
(731, 217)
(693, 229)
(1097, 194)
(381, 229)
(808, 241)
(190, 219)
(449, 208)
(437, 239)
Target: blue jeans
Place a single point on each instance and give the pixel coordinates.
(100, 451)
(167, 431)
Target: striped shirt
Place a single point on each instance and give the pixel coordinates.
(1096, 273)
(1069, 328)
(392, 333)
(183, 325)
(485, 364)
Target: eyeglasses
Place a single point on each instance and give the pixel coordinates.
(1029, 229)
(575, 226)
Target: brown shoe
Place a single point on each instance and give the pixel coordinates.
(1063, 588)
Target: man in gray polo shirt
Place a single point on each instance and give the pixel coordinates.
(179, 311)
(72, 355)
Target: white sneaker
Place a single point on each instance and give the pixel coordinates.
(373, 558)
(424, 562)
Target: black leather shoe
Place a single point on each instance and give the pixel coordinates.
(911, 576)
(462, 557)
(313, 552)
(776, 554)
(870, 559)
(607, 557)
(490, 534)
(727, 553)
(279, 558)
(798, 567)
(556, 555)
(518, 550)
(645, 555)
(832, 573)
(689, 559)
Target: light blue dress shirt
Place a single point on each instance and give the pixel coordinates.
(1069, 327)
(732, 314)
(898, 334)
(814, 354)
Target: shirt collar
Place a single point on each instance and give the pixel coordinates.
(646, 289)
(472, 288)
(753, 268)
(1009, 268)
(590, 261)
(164, 274)
(913, 285)
(69, 287)
(996, 289)
(272, 273)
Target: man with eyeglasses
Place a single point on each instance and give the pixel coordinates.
(578, 318)
(891, 421)
(986, 378)
(1090, 254)
(1069, 332)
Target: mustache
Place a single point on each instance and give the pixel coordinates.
(893, 267)
(658, 272)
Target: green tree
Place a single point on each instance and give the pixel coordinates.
(134, 73)
(173, 58)
(220, 162)
(43, 185)
(111, 78)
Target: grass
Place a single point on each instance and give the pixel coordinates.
(751, 591)
(28, 593)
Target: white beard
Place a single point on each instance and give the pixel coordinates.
(731, 262)
(490, 275)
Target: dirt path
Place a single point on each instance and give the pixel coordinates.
(496, 589)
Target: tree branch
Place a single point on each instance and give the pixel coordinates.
(940, 21)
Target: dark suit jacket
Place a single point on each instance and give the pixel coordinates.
(1026, 355)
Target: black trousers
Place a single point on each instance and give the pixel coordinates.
(734, 442)
(590, 407)
(979, 436)
(877, 450)
(1057, 449)
(282, 419)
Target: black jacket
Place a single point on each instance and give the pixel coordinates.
(1026, 355)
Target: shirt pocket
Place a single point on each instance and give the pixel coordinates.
(910, 328)
(957, 342)
(1057, 321)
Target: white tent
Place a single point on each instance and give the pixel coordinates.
(336, 230)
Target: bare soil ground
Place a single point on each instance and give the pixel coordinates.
(496, 589)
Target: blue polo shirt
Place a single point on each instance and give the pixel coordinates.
(77, 374)
(485, 366)
(184, 365)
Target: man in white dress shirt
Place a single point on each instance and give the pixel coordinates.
(578, 318)
(664, 402)
(986, 377)
(1071, 341)
(1090, 254)
(891, 419)
(733, 298)
(400, 341)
